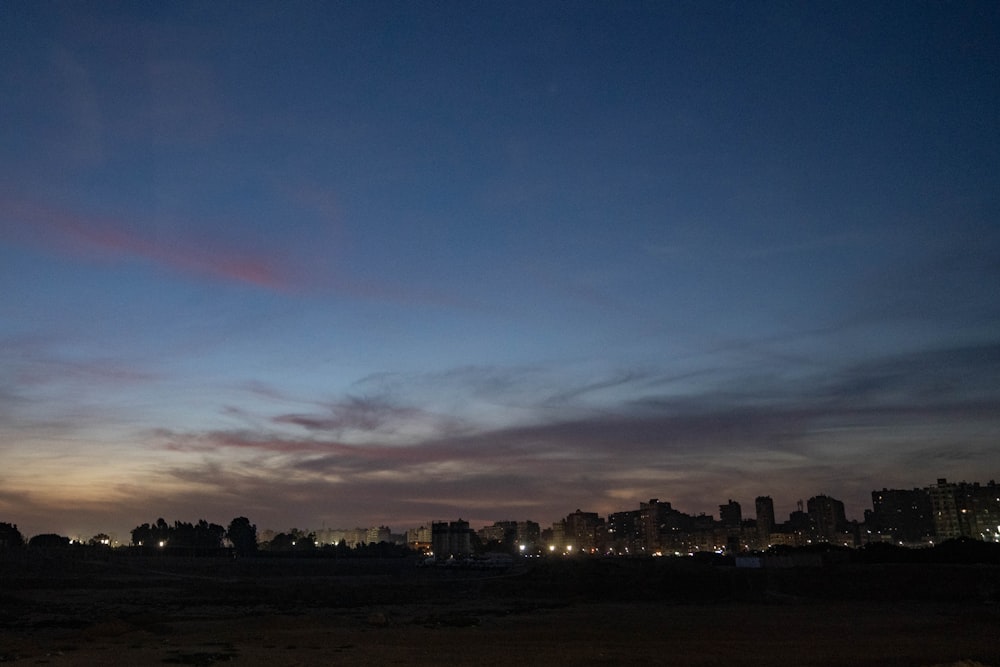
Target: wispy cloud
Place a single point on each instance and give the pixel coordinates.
(943, 376)
(692, 451)
(91, 372)
(372, 420)
(354, 414)
(219, 441)
(107, 238)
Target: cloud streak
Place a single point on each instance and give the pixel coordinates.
(106, 238)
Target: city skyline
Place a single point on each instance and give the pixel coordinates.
(410, 261)
(777, 511)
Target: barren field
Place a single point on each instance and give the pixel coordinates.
(59, 611)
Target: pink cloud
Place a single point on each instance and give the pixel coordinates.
(110, 239)
(103, 237)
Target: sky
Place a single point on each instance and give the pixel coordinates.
(360, 263)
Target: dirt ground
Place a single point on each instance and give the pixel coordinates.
(109, 615)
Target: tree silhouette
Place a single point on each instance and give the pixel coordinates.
(243, 535)
(201, 535)
(208, 535)
(48, 541)
(10, 536)
(280, 542)
(294, 540)
(142, 535)
(161, 532)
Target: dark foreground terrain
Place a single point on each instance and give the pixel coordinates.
(110, 610)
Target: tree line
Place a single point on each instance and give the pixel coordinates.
(242, 535)
(203, 536)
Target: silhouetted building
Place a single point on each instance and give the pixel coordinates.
(555, 537)
(797, 531)
(731, 518)
(979, 510)
(765, 518)
(984, 504)
(451, 538)
(748, 537)
(582, 529)
(662, 527)
(827, 517)
(945, 508)
(901, 515)
(730, 514)
(966, 510)
(529, 535)
(625, 532)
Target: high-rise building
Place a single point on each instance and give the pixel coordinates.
(731, 518)
(827, 517)
(582, 529)
(944, 506)
(985, 508)
(731, 514)
(966, 510)
(625, 532)
(529, 535)
(765, 518)
(654, 518)
(902, 515)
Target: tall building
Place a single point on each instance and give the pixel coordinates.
(902, 515)
(827, 517)
(451, 538)
(966, 510)
(985, 508)
(582, 529)
(944, 506)
(731, 514)
(555, 537)
(765, 518)
(731, 519)
(655, 520)
(529, 534)
(625, 532)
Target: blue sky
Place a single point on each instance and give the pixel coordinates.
(362, 263)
